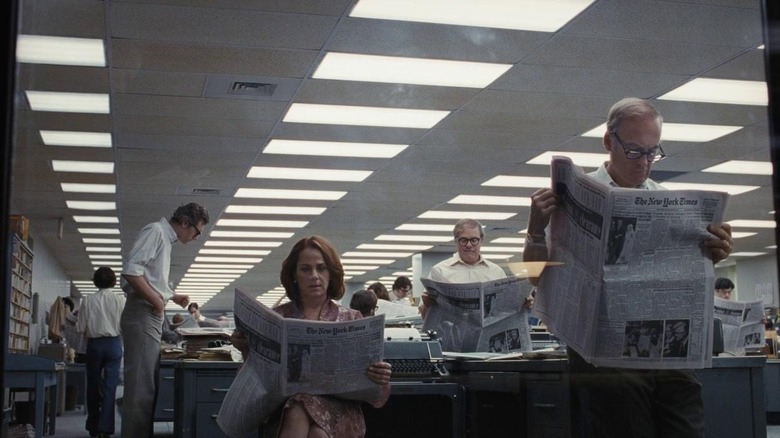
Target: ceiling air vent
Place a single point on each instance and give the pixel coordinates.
(206, 192)
(252, 88)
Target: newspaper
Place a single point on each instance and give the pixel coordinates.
(395, 312)
(480, 317)
(742, 326)
(634, 286)
(290, 356)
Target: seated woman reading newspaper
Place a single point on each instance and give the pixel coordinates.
(312, 276)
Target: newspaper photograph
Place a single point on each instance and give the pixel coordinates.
(742, 326)
(289, 356)
(480, 317)
(633, 287)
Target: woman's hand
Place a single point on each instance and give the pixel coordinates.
(379, 373)
(238, 339)
(721, 244)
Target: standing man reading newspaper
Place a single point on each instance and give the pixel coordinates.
(616, 402)
(145, 279)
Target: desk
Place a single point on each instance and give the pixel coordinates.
(733, 393)
(772, 392)
(38, 373)
(504, 395)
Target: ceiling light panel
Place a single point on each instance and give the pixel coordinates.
(413, 238)
(333, 149)
(746, 223)
(96, 219)
(509, 240)
(532, 15)
(92, 103)
(260, 223)
(91, 205)
(680, 132)
(515, 201)
(519, 181)
(726, 91)
(95, 240)
(258, 209)
(88, 188)
(425, 227)
(103, 249)
(366, 262)
(728, 188)
(210, 259)
(242, 244)
(739, 167)
(311, 195)
(398, 255)
(76, 138)
(82, 166)
(39, 49)
(108, 231)
(378, 246)
(233, 251)
(308, 174)
(741, 234)
(401, 70)
(582, 159)
(363, 116)
(484, 215)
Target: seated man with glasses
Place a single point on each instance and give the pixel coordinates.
(467, 265)
(402, 291)
(617, 402)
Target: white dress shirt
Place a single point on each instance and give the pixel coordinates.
(100, 314)
(151, 258)
(455, 270)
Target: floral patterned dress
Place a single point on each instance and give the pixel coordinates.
(338, 418)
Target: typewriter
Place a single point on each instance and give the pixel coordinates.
(415, 360)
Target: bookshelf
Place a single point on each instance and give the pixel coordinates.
(21, 297)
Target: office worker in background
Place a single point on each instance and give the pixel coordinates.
(313, 277)
(364, 301)
(145, 279)
(194, 310)
(380, 290)
(99, 319)
(465, 266)
(402, 291)
(624, 402)
(723, 288)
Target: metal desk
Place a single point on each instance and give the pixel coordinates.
(38, 373)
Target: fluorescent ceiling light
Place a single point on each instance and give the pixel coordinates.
(76, 138)
(217, 271)
(211, 259)
(741, 234)
(751, 223)
(103, 249)
(728, 188)
(311, 195)
(96, 219)
(233, 251)
(363, 116)
(582, 159)
(424, 227)
(363, 267)
(39, 49)
(747, 254)
(242, 243)
(728, 91)
(105, 256)
(220, 265)
(82, 166)
(91, 205)
(484, 215)
(258, 209)
(252, 234)
(95, 240)
(680, 132)
(532, 15)
(98, 230)
(333, 149)
(194, 276)
(516, 201)
(88, 188)
(739, 167)
(260, 223)
(509, 240)
(502, 248)
(402, 70)
(398, 255)
(93, 103)
(308, 174)
(354, 272)
(413, 238)
(394, 247)
(521, 181)
(497, 256)
(366, 261)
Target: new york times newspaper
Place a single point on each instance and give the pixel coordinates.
(480, 317)
(742, 327)
(634, 287)
(290, 356)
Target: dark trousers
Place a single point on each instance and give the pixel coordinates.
(613, 402)
(104, 356)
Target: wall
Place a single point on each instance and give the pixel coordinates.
(49, 282)
(756, 279)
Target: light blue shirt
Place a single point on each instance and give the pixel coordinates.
(151, 258)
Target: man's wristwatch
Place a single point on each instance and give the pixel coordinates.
(536, 239)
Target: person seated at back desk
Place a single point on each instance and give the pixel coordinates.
(202, 321)
(364, 301)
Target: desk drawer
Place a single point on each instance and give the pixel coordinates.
(206, 420)
(494, 382)
(547, 406)
(164, 409)
(213, 388)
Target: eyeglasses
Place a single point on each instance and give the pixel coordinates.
(655, 154)
(462, 241)
(197, 230)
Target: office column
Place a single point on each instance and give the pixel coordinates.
(421, 267)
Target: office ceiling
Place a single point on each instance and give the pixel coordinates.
(178, 137)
